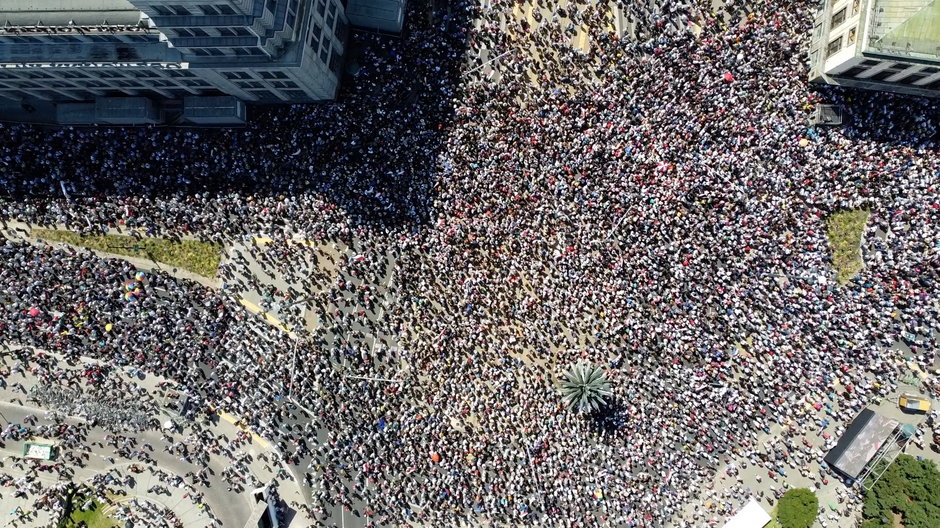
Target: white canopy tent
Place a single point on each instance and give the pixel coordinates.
(752, 515)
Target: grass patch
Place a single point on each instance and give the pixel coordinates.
(193, 255)
(845, 230)
(94, 517)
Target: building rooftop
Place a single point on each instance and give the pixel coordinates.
(906, 28)
(65, 12)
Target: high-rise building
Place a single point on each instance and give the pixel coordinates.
(887, 45)
(150, 61)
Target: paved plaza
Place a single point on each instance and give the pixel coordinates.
(506, 190)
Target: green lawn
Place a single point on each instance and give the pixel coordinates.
(192, 255)
(94, 517)
(845, 230)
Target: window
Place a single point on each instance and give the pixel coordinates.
(199, 32)
(321, 8)
(855, 7)
(161, 10)
(240, 51)
(270, 6)
(179, 10)
(912, 78)
(335, 62)
(266, 95)
(72, 74)
(930, 70)
(209, 10)
(292, 14)
(869, 63)
(226, 10)
(834, 47)
(179, 73)
(183, 32)
(283, 84)
(272, 75)
(882, 75)
(325, 53)
(248, 84)
(236, 75)
(851, 38)
(854, 72)
(838, 18)
(144, 74)
(342, 29)
(241, 32)
(330, 18)
(296, 94)
(315, 37)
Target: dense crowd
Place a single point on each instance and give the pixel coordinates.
(646, 205)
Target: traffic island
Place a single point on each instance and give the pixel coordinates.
(196, 256)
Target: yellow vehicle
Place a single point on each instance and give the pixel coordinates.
(912, 403)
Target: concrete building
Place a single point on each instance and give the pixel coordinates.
(73, 61)
(887, 45)
(386, 16)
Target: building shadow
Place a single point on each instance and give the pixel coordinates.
(373, 153)
(884, 117)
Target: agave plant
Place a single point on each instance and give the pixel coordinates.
(585, 388)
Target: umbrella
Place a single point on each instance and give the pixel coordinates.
(108, 327)
(728, 77)
(130, 285)
(140, 276)
(33, 312)
(435, 457)
(130, 296)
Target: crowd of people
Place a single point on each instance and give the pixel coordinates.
(656, 206)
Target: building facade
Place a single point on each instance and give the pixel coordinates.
(162, 52)
(886, 45)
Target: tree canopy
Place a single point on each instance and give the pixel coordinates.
(797, 508)
(908, 488)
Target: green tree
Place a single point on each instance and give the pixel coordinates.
(585, 388)
(797, 508)
(908, 490)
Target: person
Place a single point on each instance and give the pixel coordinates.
(469, 239)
